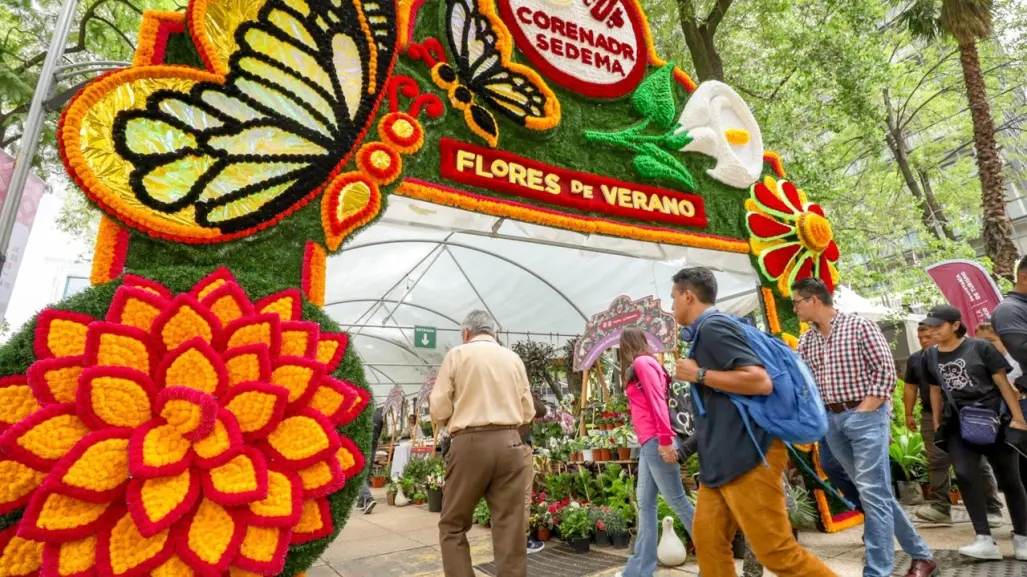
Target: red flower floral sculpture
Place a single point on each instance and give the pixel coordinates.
(190, 434)
(790, 235)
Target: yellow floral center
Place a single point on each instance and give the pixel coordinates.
(403, 128)
(381, 159)
(815, 232)
(737, 136)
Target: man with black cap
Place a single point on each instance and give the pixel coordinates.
(968, 387)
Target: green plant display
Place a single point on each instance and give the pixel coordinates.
(575, 523)
(907, 451)
(804, 512)
(482, 515)
(663, 511)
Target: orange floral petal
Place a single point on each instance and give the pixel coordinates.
(194, 364)
(212, 282)
(215, 449)
(284, 502)
(58, 518)
(338, 400)
(300, 376)
(315, 522)
(211, 538)
(330, 349)
(185, 319)
(147, 285)
(16, 400)
(299, 339)
(60, 334)
(96, 469)
(124, 550)
(264, 329)
(288, 305)
(303, 439)
(55, 380)
(112, 345)
(251, 363)
(173, 567)
(72, 559)
(157, 504)
(257, 407)
(44, 437)
(263, 550)
(17, 482)
(19, 557)
(350, 457)
(158, 450)
(115, 397)
(136, 307)
(240, 481)
(322, 478)
(228, 303)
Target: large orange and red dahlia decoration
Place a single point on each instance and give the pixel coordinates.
(191, 434)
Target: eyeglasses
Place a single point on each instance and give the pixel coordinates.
(795, 303)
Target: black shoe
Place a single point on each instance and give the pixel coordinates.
(535, 546)
(369, 506)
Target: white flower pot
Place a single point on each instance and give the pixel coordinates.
(586, 455)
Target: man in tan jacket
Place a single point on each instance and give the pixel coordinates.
(482, 396)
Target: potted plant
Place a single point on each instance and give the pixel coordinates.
(691, 472)
(954, 490)
(482, 515)
(575, 528)
(907, 451)
(390, 493)
(378, 478)
(802, 512)
(434, 484)
(617, 529)
(420, 497)
(587, 454)
(623, 436)
(601, 517)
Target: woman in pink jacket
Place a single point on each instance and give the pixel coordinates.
(658, 470)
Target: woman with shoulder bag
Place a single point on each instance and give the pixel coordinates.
(972, 403)
(659, 473)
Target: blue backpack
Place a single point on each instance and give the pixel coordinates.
(794, 411)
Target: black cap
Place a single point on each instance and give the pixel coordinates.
(942, 314)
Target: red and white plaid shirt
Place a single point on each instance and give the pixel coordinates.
(853, 363)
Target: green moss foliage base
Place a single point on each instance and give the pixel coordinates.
(17, 355)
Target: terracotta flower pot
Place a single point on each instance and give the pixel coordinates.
(418, 501)
(597, 455)
(543, 534)
(954, 496)
(390, 498)
(377, 482)
(606, 454)
(624, 453)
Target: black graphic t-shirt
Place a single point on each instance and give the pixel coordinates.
(968, 371)
(915, 378)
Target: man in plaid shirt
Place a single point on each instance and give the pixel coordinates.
(854, 370)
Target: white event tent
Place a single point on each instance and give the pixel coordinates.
(429, 265)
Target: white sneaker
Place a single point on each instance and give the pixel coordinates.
(1020, 547)
(983, 547)
(995, 520)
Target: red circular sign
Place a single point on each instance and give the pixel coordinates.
(596, 48)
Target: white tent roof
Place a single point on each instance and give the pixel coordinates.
(429, 265)
(847, 300)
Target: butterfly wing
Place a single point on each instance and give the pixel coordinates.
(481, 45)
(301, 89)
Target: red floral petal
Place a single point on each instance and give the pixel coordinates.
(815, 208)
(157, 504)
(824, 272)
(775, 260)
(135, 307)
(194, 364)
(299, 376)
(315, 522)
(185, 319)
(122, 551)
(216, 448)
(74, 559)
(114, 397)
(55, 380)
(212, 282)
(228, 302)
(60, 334)
(263, 550)
(804, 268)
(146, 284)
(350, 457)
(57, 518)
(323, 478)
(157, 449)
(17, 482)
(112, 345)
(262, 329)
(338, 400)
(303, 439)
(240, 481)
(330, 349)
(831, 253)
(257, 407)
(191, 412)
(299, 339)
(96, 468)
(19, 557)
(766, 227)
(770, 201)
(287, 304)
(44, 437)
(283, 505)
(792, 195)
(249, 363)
(17, 400)
(210, 538)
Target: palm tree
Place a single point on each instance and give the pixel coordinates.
(967, 22)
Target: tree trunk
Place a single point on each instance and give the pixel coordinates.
(998, 229)
(937, 212)
(699, 38)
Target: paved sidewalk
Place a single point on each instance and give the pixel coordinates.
(394, 542)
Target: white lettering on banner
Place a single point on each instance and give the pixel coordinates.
(968, 286)
(34, 189)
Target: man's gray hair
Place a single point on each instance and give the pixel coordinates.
(480, 323)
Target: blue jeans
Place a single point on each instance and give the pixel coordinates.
(859, 441)
(836, 474)
(655, 477)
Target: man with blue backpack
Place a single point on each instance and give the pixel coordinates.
(853, 366)
(741, 378)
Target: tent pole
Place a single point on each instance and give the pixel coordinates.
(581, 401)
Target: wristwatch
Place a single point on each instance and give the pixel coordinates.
(700, 376)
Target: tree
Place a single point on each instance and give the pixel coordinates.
(968, 22)
(699, 32)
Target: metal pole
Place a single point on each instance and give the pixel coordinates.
(33, 125)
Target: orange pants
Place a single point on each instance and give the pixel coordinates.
(754, 503)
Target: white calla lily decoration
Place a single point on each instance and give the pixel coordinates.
(722, 127)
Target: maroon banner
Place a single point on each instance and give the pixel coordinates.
(969, 288)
